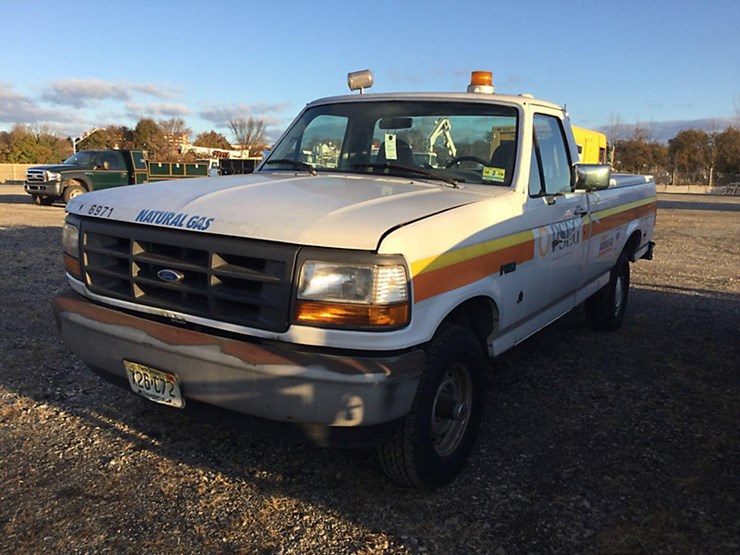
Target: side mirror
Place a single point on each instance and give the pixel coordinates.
(592, 177)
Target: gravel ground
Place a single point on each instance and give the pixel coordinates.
(591, 443)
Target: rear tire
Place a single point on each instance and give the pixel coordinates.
(436, 437)
(72, 190)
(605, 309)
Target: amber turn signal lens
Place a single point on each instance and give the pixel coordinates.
(352, 315)
(72, 265)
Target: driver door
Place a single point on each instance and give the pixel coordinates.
(556, 213)
(110, 171)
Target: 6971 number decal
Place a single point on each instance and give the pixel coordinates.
(100, 211)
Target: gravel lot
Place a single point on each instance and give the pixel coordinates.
(591, 443)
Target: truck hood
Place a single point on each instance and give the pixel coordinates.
(58, 167)
(337, 210)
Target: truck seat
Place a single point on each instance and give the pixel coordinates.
(503, 157)
(403, 151)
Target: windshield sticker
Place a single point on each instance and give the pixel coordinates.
(390, 147)
(174, 219)
(493, 174)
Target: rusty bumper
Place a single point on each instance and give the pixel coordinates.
(266, 379)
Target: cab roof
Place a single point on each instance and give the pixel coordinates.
(516, 100)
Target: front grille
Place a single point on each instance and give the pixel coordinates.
(240, 281)
(35, 176)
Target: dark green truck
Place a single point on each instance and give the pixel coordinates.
(90, 170)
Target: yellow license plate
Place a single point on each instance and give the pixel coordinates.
(155, 385)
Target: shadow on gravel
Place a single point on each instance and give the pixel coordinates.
(17, 199)
(698, 205)
(622, 442)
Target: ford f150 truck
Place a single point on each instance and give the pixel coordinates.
(90, 170)
(352, 285)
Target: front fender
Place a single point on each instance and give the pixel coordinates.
(76, 179)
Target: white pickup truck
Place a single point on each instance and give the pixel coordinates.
(352, 286)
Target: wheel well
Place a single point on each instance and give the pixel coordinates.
(81, 182)
(633, 243)
(480, 315)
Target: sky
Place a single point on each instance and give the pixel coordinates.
(78, 64)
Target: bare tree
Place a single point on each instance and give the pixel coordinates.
(174, 127)
(644, 132)
(249, 132)
(175, 134)
(616, 129)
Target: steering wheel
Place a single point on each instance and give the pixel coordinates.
(459, 159)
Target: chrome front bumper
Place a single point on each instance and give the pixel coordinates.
(46, 189)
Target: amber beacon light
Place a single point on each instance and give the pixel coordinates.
(481, 82)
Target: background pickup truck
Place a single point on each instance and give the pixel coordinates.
(352, 286)
(90, 170)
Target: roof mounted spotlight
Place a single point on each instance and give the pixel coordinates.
(360, 80)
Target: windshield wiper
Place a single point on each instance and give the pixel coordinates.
(410, 169)
(294, 163)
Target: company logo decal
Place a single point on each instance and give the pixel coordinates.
(559, 236)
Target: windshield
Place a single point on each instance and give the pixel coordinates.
(83, 158)
(451, 141)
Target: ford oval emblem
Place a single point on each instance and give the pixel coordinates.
(172, 276)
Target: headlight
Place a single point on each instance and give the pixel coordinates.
(71, 248)
(53, 176)
(360, 296)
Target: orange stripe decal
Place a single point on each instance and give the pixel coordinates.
(458, 268)
(447, 278)
(602, 225)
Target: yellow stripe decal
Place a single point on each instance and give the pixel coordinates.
(468, 253)
(457, 268)
(622, 208)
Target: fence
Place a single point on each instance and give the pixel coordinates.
(14, 173)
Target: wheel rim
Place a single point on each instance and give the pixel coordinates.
(451, 409)
(618, 294)
(74, 193)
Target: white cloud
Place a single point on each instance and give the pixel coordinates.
(81, 92)
(17, 108)
(663, 131)
(219, 116)
(162, 110)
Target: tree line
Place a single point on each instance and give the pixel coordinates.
(691, 157)
(40, 144)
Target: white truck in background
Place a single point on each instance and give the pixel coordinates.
(355, 302)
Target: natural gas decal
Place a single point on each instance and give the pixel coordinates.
(174, 219)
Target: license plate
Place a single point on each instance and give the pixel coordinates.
(155, 385)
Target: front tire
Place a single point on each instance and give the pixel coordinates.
(72, 190)
(605, 309)
(41, 200)
(436, 437)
